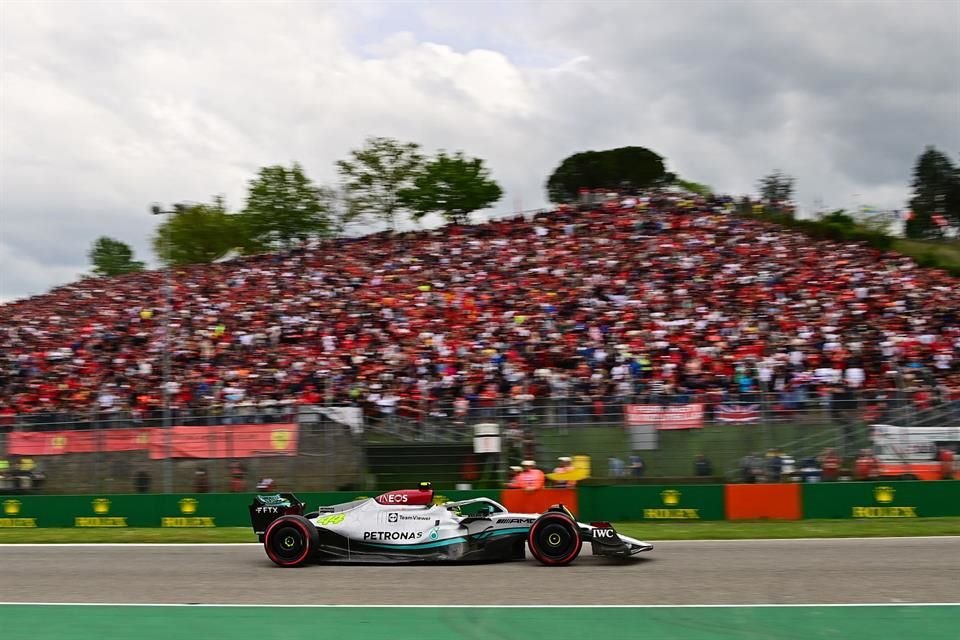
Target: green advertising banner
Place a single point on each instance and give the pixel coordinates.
(112, 511)
(202, 510)
(652, 502)
(863, 500)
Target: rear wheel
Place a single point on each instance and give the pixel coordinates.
(290, 540)
(554, 539)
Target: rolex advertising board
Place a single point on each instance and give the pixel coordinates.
(652, 503)
(871, 500)
(13, 515)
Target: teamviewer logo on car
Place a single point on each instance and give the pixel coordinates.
(392, 517)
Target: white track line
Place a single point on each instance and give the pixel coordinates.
(486, 606)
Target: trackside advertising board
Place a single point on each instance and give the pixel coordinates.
(180, 511)
(872, 500)
(233, 441)
(633, 503)
(655, 503)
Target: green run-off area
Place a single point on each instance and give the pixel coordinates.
(40, 622)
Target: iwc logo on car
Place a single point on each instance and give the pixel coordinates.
(884, 495)
(670, 510)
(101, 507)
(11, 509)
(188, 507)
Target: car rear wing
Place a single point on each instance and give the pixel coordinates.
(267, 508)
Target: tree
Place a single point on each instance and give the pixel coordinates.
(936, 195)
(876, 220)
(776, 191)
(374, 176)
(453, 186)
(283, 207)
(111, 257)
(695, 188)
(197, 233)
(629, 168)
(340, 218)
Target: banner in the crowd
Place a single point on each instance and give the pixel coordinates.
(350, 416)
(679, 416)
(227, 441)
(738, 413)
(53, 443)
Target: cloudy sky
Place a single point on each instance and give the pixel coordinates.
(108, 107)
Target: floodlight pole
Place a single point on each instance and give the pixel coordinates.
(167, 310)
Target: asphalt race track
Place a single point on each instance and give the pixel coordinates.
(884, 570)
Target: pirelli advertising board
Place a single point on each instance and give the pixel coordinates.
(875, 500)
(660, 503)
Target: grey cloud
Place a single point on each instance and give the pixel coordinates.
(105, 108)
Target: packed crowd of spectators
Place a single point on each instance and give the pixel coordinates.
(663, 297)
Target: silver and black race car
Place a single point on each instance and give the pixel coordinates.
(407, 526)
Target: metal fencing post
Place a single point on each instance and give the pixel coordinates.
(167, 310)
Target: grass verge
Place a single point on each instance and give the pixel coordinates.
(752, 530)
(745, 530)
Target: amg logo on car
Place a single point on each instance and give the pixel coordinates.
(603, 533)
(392, 535)
(515, 520)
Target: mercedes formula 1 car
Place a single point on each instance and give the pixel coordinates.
(407, 526)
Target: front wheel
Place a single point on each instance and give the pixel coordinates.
(554, 539)
(290, 540)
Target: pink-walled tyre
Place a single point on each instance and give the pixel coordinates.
(290, 541)
(554, 539)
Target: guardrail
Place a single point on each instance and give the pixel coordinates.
(644, 503)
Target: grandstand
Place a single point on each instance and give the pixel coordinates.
(565, 316)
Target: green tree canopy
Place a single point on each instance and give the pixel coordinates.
(373, 177)
(936, 192)
(623, 168)
(454, 186)
(110, 257)
(776, 190)
(695, 188)
(197, 233)
(283, 207)
(840, 218)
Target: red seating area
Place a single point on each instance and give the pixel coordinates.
(672, 294)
